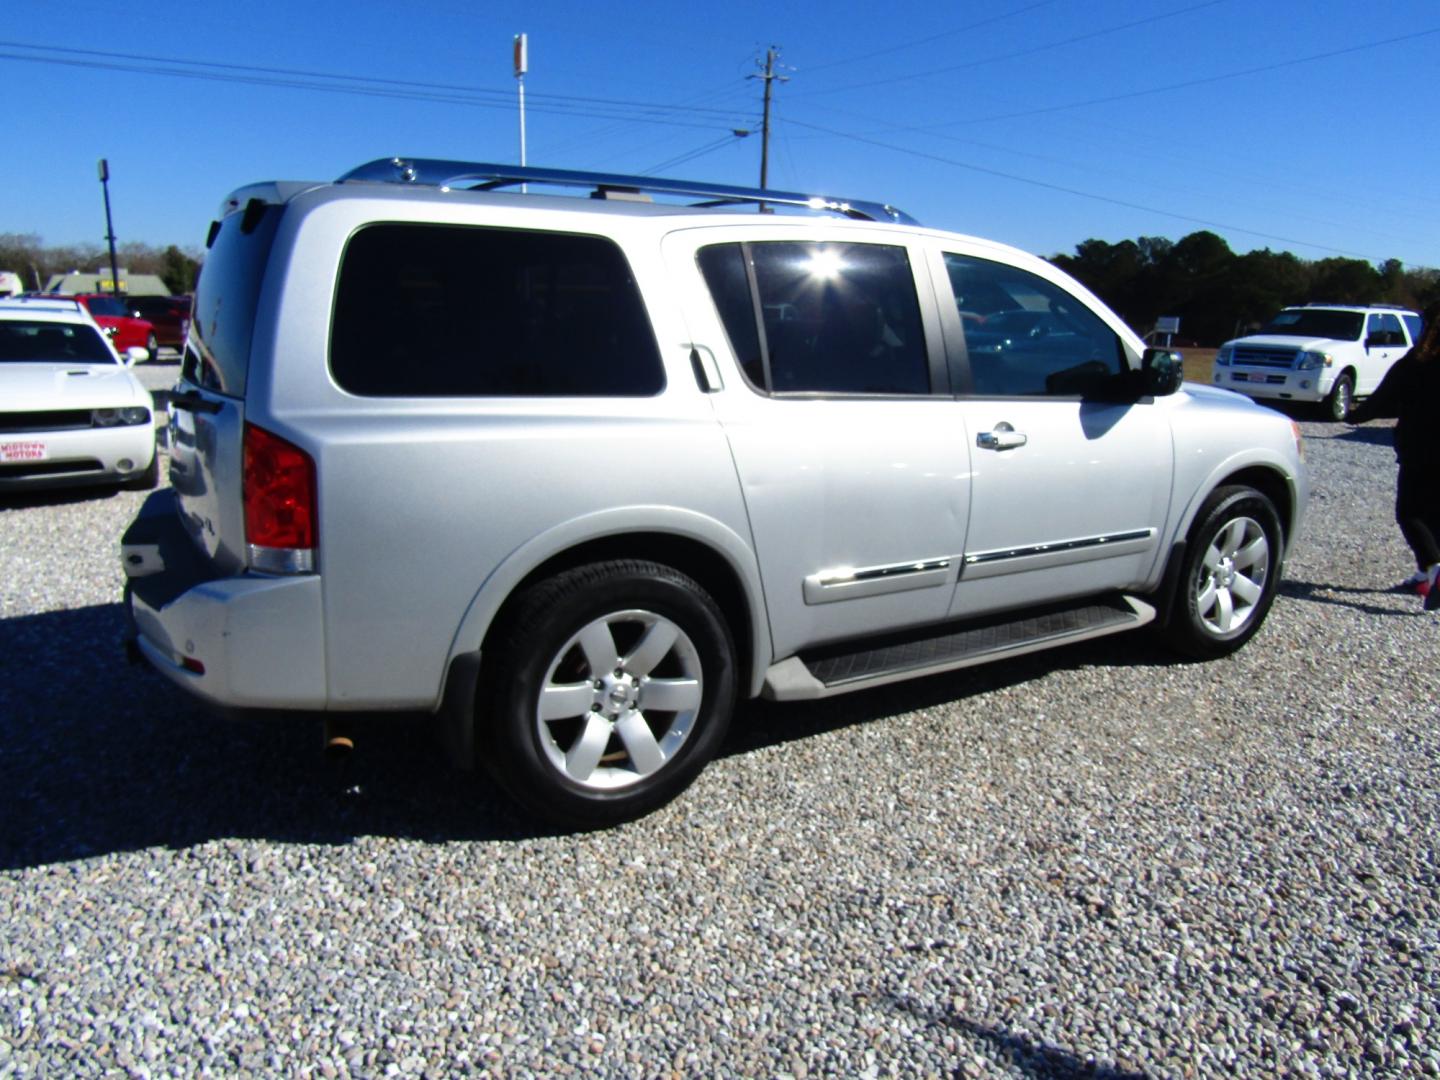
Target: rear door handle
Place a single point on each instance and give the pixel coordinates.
(1003, 437)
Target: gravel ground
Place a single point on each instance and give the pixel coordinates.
(1095, 862)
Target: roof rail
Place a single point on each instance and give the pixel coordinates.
(1349, 303)
(483, 176)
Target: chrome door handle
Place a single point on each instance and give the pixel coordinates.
(1004, 437)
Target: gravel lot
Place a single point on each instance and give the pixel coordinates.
(1096, 862)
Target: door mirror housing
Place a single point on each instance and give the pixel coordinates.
(1161, 372)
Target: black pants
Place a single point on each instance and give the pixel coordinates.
(1417, 511)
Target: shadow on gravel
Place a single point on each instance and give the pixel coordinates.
(28, 500)
(99, 756)
(1336, 595)
(1368, 436)
(1024, 1054)
(761, 723)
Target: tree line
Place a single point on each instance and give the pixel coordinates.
(1218, 295)
(24, 254)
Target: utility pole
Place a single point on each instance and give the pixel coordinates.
(109, 227)
(770, 77)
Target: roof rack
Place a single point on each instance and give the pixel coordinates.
(483, 176)
(1347, 303)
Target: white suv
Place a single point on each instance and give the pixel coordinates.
(1330, 353)
(575, 473)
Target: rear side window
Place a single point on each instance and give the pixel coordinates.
(225, 300)
(1385, 330)
(1412, 323)
(450, 311)
(834, 318)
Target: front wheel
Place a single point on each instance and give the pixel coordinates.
(1229, 574)
(610, 688)
(1341, 398)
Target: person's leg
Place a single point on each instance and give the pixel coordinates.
(1417, 512)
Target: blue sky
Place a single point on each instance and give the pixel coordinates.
(1305, 127)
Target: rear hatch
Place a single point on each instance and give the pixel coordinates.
(207, 409)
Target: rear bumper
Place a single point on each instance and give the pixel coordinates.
(248, 641)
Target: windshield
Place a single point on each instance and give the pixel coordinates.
(1316, 323)
(25, 340)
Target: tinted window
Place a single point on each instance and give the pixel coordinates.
(1413, 324)
(1025, 336)
(225, 297)
(1385, 330)
(724, 267)
(835, 318)
(432, 310)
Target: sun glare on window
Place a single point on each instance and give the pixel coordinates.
(826, 265)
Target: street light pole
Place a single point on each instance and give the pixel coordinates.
(109, 227)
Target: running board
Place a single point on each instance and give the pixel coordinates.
(840, 669)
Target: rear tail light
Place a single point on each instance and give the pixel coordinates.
(280, 511)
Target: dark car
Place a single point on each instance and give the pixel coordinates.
(170, 315)
(124, 329)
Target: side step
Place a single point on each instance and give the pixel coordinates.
(840, 669)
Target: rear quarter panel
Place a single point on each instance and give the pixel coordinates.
(424, 501)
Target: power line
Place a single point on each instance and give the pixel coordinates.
(1082, 194)
(1014, 55)
(1269, 184)
(337, 82)
(933, 37)
(1203, 81)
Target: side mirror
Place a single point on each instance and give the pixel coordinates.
(134, 354)
(1161, 372)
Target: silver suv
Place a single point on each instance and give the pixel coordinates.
(576, 473)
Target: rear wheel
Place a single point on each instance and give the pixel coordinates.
(1229, 574)
(1341, 398)
(611, 687)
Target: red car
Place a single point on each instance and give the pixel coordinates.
(115, 319)
(169, 314)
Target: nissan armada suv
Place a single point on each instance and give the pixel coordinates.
(577, 473)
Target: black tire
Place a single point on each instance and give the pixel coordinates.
(1227, 578)
(602, 756)
(1341, 398)
(149, 479)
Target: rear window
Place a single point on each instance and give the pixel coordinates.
(452, 311)
(225, 298)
